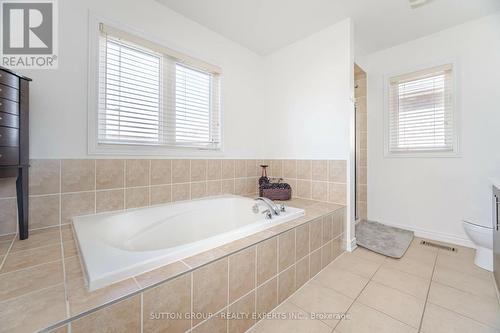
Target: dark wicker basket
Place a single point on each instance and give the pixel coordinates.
(276, 193)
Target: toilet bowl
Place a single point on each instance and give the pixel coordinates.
(482, 237)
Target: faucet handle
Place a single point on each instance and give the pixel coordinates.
(268, 213)
(282, 208)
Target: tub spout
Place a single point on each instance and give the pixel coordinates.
(270, 204)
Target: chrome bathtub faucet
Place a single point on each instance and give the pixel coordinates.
(270, 204)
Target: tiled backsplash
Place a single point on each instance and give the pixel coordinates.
(61, 189)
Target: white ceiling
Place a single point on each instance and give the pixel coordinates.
(264, 26)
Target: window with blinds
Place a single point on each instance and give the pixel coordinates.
(421, 118)
(151, 95)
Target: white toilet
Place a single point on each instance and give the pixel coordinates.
(482, 237)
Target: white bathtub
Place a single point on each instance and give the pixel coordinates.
(116, 246)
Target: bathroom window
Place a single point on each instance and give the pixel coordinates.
(153, 96)
(421, 113)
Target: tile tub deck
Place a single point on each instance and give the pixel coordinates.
(42, 285)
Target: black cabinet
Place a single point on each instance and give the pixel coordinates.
(14, 138)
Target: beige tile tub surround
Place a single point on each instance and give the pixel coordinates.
(62, 189)
(248, 275)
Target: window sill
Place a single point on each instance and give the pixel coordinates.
(145, 150)
(453, 154)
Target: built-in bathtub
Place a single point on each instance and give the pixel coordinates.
(116, 246)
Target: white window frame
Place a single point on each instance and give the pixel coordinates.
(93, 145)
(455, 109)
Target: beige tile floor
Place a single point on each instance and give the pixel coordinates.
(428, 290)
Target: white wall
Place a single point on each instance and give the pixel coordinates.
(308, 88)
(433, 195)
(58, 124)
(302, 89)
(309, 109)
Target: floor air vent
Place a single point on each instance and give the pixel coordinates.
(439, 246)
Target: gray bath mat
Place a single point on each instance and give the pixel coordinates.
(383, 239)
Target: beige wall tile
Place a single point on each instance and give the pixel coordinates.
(337, 171)
(43, 308)
(319, 170)
(161, 172)
(210, 288)
(326, 254)
(214, 187)
(337, 193)
(228, 186)
(327, 228)
(181, 192)
(8, 216)
(181, 171)
(77, 175)
(302, 272)
(240, 186)
(76, 204)
(319, 191)
(24, 281)
(228, 169)
(124, 316)
(267, 296)
(214, 169)
(137, 172)
(316, 227)
(290, 169)
(171, 297)
(136, 197)
(315, 263)
(240, 168)
(198, 170)
(216, 324)
(110, 173)
(252, 186)
(361, 175)
(276, 169)
(44, 176)
(286, 249)
(338, 223)
(244, 312)
(110, 200)
(7, 187)
(267, 259)
(251, 168)
(304, 169)
(302, 241)
(44, 211)
(241, 273)
(198, 190)
(286, 284)
(161, 274)
(303, 189)
(161, 194)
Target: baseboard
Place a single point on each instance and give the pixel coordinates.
(352, 245)
(434, 235)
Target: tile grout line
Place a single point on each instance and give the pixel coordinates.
(8, 252)
(356, 298)
(66, 297)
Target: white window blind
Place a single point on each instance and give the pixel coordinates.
(421, 115)
(151, 95)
